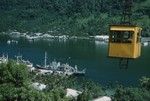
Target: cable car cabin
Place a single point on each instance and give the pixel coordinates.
(124, 41)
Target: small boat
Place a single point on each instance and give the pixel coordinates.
(44, 71)
(25, 62)
(79, 73)
(41, 67)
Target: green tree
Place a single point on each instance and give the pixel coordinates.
(145, 83)
(15, 84)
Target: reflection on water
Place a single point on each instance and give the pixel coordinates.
(86, 53)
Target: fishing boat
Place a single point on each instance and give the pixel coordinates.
(25, 62)
(45, 66)
(59, 69)
(79, 73)
(65, 69)
(44, 70)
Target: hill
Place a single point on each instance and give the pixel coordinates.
(73, 17)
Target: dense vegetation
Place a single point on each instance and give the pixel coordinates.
(142, 93)
(15, 85)
(16, 81)
(72, 17)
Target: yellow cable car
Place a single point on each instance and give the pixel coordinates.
(124, 41)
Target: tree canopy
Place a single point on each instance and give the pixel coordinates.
(72, 17)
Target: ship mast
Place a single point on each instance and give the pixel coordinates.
(45, 60)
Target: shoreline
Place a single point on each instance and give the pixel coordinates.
(145, 41)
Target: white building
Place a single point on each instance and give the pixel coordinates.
(104, 98)
(72, 93)
(38, 86)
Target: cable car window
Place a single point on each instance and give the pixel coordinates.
(121, 36)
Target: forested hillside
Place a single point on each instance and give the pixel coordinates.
(73, 17)
(16, 84)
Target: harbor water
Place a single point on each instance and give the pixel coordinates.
(84, 53)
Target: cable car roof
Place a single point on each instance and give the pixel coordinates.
(124, 27)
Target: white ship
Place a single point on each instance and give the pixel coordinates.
(60, 69)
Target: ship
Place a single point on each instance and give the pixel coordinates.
(20, 60)
(65, 69)
(60, 69)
